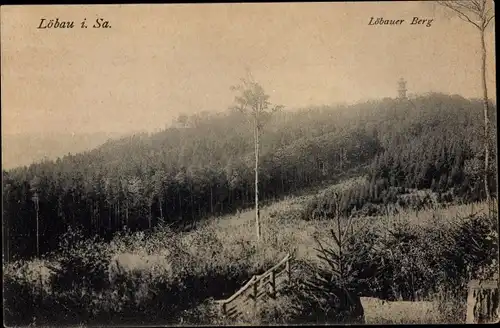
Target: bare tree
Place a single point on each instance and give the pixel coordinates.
(478, 13)
(35, 187)
(254, 102)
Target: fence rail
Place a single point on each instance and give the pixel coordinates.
(257, 288)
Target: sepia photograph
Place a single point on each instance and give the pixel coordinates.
(226, 164)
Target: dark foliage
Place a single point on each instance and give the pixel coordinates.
(82, 263)
(181, 175)
(80, 294)
(332, 293)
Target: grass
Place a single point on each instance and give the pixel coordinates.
(219, 255)
(401, 312)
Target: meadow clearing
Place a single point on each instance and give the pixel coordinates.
(417, 269)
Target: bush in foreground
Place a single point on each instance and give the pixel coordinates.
(406, 258)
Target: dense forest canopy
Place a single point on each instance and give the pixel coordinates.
(205, 167)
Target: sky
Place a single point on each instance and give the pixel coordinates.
(157, 61)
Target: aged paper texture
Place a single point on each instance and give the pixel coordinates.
(250, 163)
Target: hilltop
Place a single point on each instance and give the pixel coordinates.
(181, 175)
(182, 198)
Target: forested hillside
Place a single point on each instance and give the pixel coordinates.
(181, 175)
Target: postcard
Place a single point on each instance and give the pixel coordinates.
(249, 163)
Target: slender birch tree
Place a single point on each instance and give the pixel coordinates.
(253, 102)
(478, 13)
(35, 187)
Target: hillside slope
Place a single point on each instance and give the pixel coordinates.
(216, 258)
(181, 175)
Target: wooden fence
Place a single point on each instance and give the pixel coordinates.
(259, 288)
(483, 301)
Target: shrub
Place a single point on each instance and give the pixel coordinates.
(331, 293)
(19, 298)
(82, 263)
(406, 259)
(475, 250)
(405, 274)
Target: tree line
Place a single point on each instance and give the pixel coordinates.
(206, 168)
